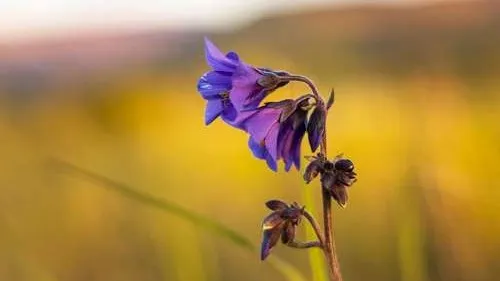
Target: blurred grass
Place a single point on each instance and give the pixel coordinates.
(416, 109)
(198, 220)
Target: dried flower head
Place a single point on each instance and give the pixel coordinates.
(336, 176)
(282, 222)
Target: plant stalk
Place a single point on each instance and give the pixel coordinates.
(329, 246)
(329, 240)
(304, 245)
(316, 227)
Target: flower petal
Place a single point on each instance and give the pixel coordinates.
(213, 83)
(276, 205)
(312, 170)
(245, 88)
(258, 150)
(229, 114)
(288, 233)
(271, 141)
(213, 110)
(272, 220)
(271, 163)
(339, 193)
(269, 239)
(297, 141)
(285, 145)
(259, 124)
(217, 60)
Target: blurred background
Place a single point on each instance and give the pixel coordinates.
(111, 88)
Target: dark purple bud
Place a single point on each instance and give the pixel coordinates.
(328, 166)
(331, 100)
(276, 205)
(316, 127)
(344, 165)
(288, 233)
(269, 239)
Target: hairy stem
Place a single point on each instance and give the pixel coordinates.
(304, 245)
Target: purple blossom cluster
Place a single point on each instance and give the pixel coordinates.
(235, 92)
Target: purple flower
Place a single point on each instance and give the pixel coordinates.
(232, 85)
(276, 131)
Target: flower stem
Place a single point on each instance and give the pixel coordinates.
(304, 245)
(329, 241)
(309, 83)
(316, 227)
(329, 246)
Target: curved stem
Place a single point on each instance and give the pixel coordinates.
(304, 245)
(315, 226)
(309, 83)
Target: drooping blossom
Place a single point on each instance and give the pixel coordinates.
(282, 222)
(276, 131)
(232, 85)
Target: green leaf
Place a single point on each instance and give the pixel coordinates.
(286, 269)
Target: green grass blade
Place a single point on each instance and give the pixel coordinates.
(316, 258)
(286, 269)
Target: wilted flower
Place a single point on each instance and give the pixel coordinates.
(335, 177)
(276, 131)
(282, 222)
(232, 85)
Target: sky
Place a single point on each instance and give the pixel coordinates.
(30, 19)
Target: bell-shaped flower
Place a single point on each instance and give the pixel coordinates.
(276, 131)
(232, 85)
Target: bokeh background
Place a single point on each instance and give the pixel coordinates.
(111, 88)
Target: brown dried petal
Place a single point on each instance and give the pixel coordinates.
(340, 195)
(288, 233)
(327, 180)
(312, 170)
(269, 239)
(272, 221)
(292, 108)
(276, 205)
(292, 214)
